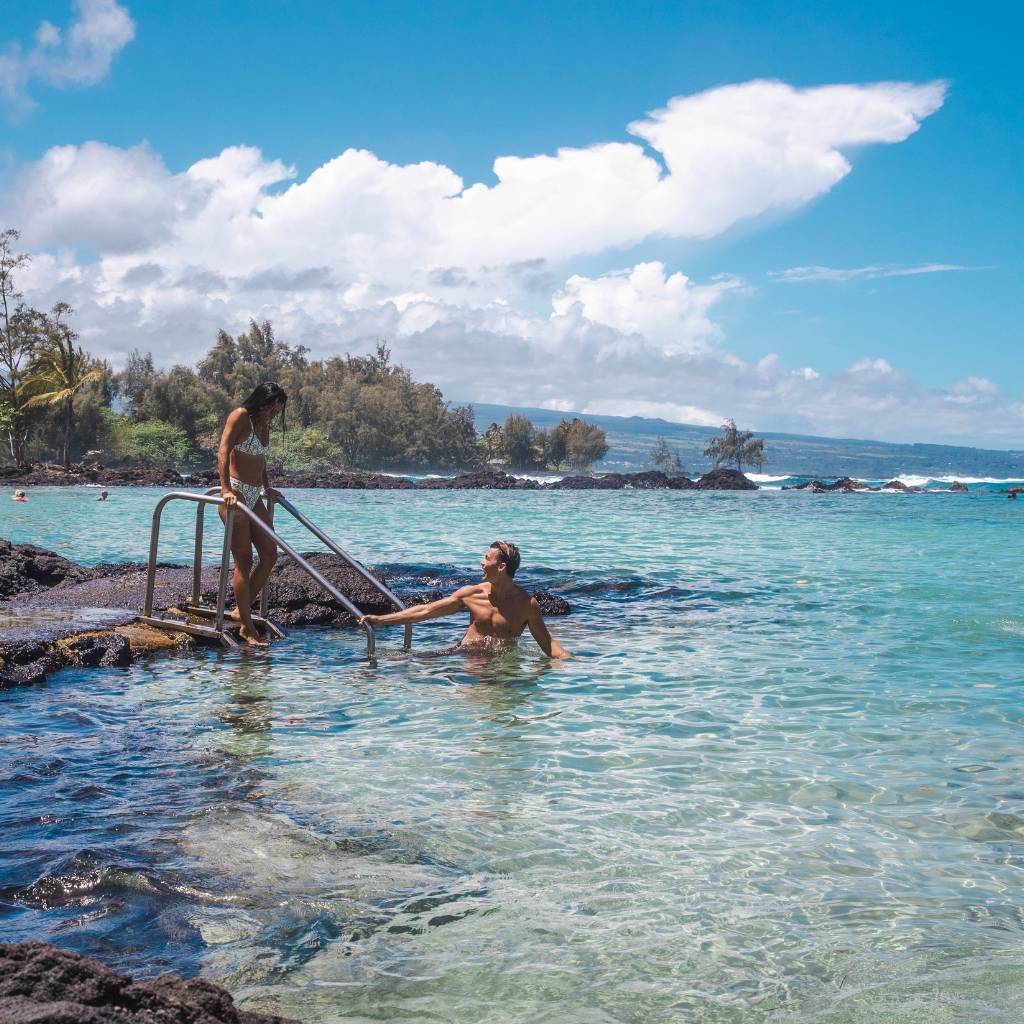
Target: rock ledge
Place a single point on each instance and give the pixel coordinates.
(41, 984)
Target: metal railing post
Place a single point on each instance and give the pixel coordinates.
(212, 497)
(222, 591)
(265, 592)
(197, 567)
(154, 542)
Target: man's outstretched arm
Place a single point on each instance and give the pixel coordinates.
(421, 612)
(539, 631)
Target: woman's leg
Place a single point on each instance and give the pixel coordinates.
(265, 548)
(241, 550)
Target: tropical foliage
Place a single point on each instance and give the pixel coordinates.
(735, 447)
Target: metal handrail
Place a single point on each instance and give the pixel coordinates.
(271, 501)
(209, 499)
(346, 557)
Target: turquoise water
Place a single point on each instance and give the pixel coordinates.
(781, 781)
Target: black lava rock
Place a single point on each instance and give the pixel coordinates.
(41, 984)
(723, 479)
(102, 650)
(552, 604)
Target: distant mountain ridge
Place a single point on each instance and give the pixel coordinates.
(631, 438)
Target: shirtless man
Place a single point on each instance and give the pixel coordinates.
(498, 609)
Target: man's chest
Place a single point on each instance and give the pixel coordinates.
(499, 618)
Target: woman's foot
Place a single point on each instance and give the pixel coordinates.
(252, 637)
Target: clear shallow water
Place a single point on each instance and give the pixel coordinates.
(781, 782)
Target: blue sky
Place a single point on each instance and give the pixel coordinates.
(458, 85)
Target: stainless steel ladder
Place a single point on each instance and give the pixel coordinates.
(219, 631)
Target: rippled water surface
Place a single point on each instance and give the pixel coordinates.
(781, 780)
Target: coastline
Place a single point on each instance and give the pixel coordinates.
(721, 479)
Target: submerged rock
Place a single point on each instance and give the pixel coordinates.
(41, 984)
(723, 479)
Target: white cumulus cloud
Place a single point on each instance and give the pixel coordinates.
(476, 287)
(79, 55)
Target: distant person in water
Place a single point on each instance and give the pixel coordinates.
(499, 610)
(19, 495)
(104, 494)
(242, 465)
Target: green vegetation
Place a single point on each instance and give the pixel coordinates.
(666, 458)
(354, 412)
(735, 447)
(520, 445)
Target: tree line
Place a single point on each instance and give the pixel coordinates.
(343, 411)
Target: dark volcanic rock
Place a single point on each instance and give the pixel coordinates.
(552, 604)
(296, 600)
(723, 479)
(321, 479)
(54, 476)
(103, 650)
(651, 480)
(958, 487)
(845, 484)
(25, 569)
(898, 485)
(484, 480)
(41, 984)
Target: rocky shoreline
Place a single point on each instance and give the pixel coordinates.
(43, 984)
(57, 614)
(54, 476)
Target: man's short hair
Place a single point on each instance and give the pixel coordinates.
(508, 554)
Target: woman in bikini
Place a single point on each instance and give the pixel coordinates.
(242, 465)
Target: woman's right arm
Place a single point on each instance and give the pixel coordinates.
(232, 434)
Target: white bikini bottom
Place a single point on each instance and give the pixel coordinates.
(249, 493)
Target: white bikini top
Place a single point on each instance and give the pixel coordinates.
(252, 445)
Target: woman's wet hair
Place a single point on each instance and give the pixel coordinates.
(508, 554)
(267, 393)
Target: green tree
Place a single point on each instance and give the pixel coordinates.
(58, 372)
(735, 447)
(585, 444)
(135, 380)
(21, 330)
(518, 433)
(492, 445)
(153, 443)
(305, 449)
(557, 445)
(666, 458)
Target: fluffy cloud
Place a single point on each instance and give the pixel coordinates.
(80, 55)
(475, 287)
(670, 312)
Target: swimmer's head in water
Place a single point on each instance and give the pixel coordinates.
(507, 554)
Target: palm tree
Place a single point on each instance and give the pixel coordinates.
(59, 371)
